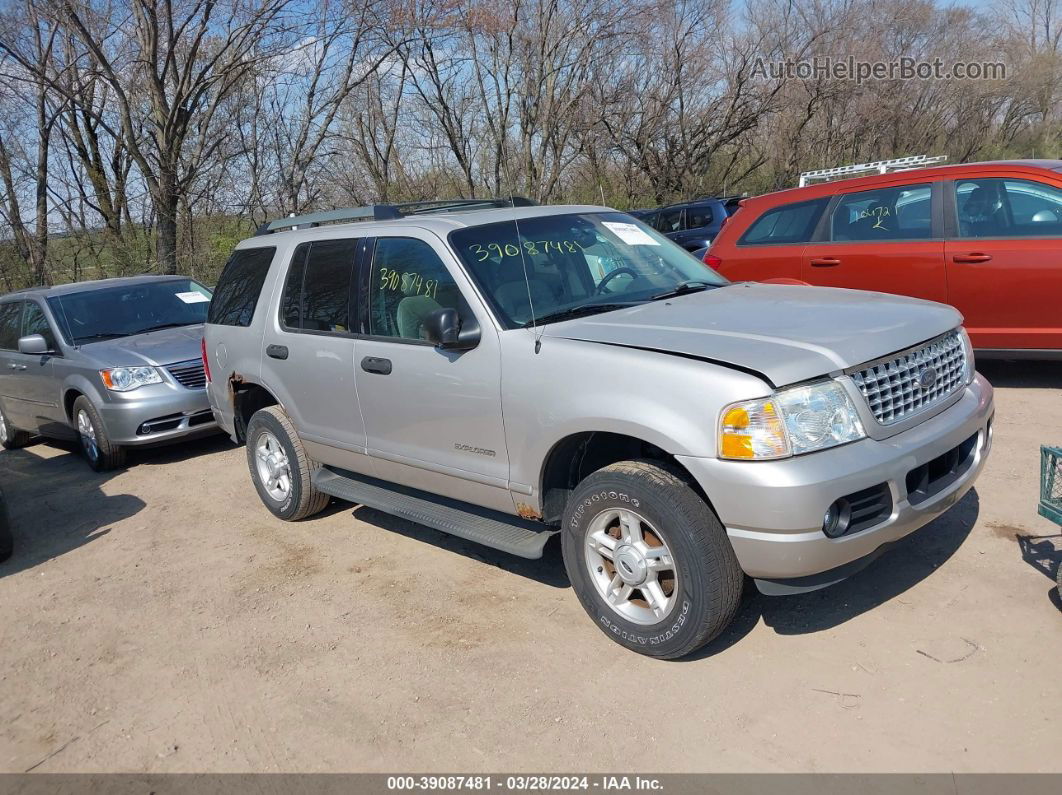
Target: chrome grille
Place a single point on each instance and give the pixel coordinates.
(898, 388)
(189, 374)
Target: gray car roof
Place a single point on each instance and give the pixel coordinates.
(439, 223)
(80, 287)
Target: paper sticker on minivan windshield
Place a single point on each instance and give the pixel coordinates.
(193, 297)
(631, 234)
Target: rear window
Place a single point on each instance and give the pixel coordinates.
(240, 284)
(790, 223)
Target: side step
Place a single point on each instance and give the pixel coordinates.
(482, 525)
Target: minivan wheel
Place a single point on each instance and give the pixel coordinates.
(10, 437)
(96, 445)
(649, 560)
(281, 470)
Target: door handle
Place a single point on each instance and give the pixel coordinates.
(372, 364)
(974, 257)
(824, 262)
(17, 366)
(277, 351)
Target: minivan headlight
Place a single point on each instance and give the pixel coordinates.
(793, 421)
(123, 379)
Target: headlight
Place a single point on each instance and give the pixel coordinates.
(793, 421)
(122, 379)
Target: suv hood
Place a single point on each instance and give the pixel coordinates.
(785, 333)
(165, 346)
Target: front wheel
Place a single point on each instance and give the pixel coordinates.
(101, 453)
(648, 559)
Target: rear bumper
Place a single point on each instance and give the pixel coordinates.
(160, 417)
(773, 510)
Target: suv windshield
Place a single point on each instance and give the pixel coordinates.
(111, 312)
(575, 264)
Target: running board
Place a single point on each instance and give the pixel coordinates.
(482, 525)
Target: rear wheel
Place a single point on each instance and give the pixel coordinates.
(281, 470)
(11, 437)
(96, 445)
(649, 560)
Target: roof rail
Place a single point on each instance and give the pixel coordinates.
(875, 167)
(389, 212)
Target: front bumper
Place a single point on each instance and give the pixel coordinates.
(158, 414)
(773, 510)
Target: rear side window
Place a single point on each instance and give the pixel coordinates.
(239, 287)
(897, 213)
(697, 217)
(10, 321)
(34, 321)
(317, 289)
(790, 223)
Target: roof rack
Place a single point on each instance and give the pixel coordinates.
(389, 212)
(874, 167)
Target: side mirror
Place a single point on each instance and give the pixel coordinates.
(444, 329)
(33, 344)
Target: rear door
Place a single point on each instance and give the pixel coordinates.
(1004, 260)
(773, 244)
(310, 347)
(887, 239)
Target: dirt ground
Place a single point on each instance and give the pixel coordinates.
(159, 619)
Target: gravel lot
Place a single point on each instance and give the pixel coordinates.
(159, 619)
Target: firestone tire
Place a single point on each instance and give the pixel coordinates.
(281, 471)
(692, 600)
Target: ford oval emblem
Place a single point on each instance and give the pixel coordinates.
(927, 377)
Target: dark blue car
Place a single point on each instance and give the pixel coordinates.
(692, 225)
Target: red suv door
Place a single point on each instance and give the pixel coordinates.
(1004, 260)
(772, 245)
(889, 239)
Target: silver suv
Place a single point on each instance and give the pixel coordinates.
(505, 374)
(113, 363)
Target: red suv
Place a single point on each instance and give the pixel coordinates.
(984, 237)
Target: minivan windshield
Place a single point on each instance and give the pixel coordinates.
(576, 264)
(94, 315)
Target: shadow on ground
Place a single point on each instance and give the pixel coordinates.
(900, 568)
(1027, 375)
(56, 504)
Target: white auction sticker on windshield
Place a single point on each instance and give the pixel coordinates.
(631, 234)
(193, 297)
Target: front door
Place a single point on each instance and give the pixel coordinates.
(1004, 262)
(38, 388)
(10, 384)
(887, 240)
(432, 417)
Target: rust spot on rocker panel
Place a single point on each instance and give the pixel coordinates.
(527, 512)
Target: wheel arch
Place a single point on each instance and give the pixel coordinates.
(577, 455)
(247, 398)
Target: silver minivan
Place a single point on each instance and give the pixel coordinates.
(115, 363)
(507, 374)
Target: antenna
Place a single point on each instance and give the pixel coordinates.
(523, 259)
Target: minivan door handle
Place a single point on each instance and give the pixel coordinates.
(277, 351)
(974, 257)
(372, 364)
(824, 262)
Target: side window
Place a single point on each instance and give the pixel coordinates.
(668, 220)
(240, 284)
(326, 285)
(291, 303)
(696, 217)
(790, 223)
(408, 283)
(1008, 208)
(897, 213)
(34, 321)
(10, 323)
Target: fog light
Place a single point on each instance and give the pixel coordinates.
(835, 522)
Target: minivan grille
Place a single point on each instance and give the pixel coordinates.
(898, 388)
(189, 374)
